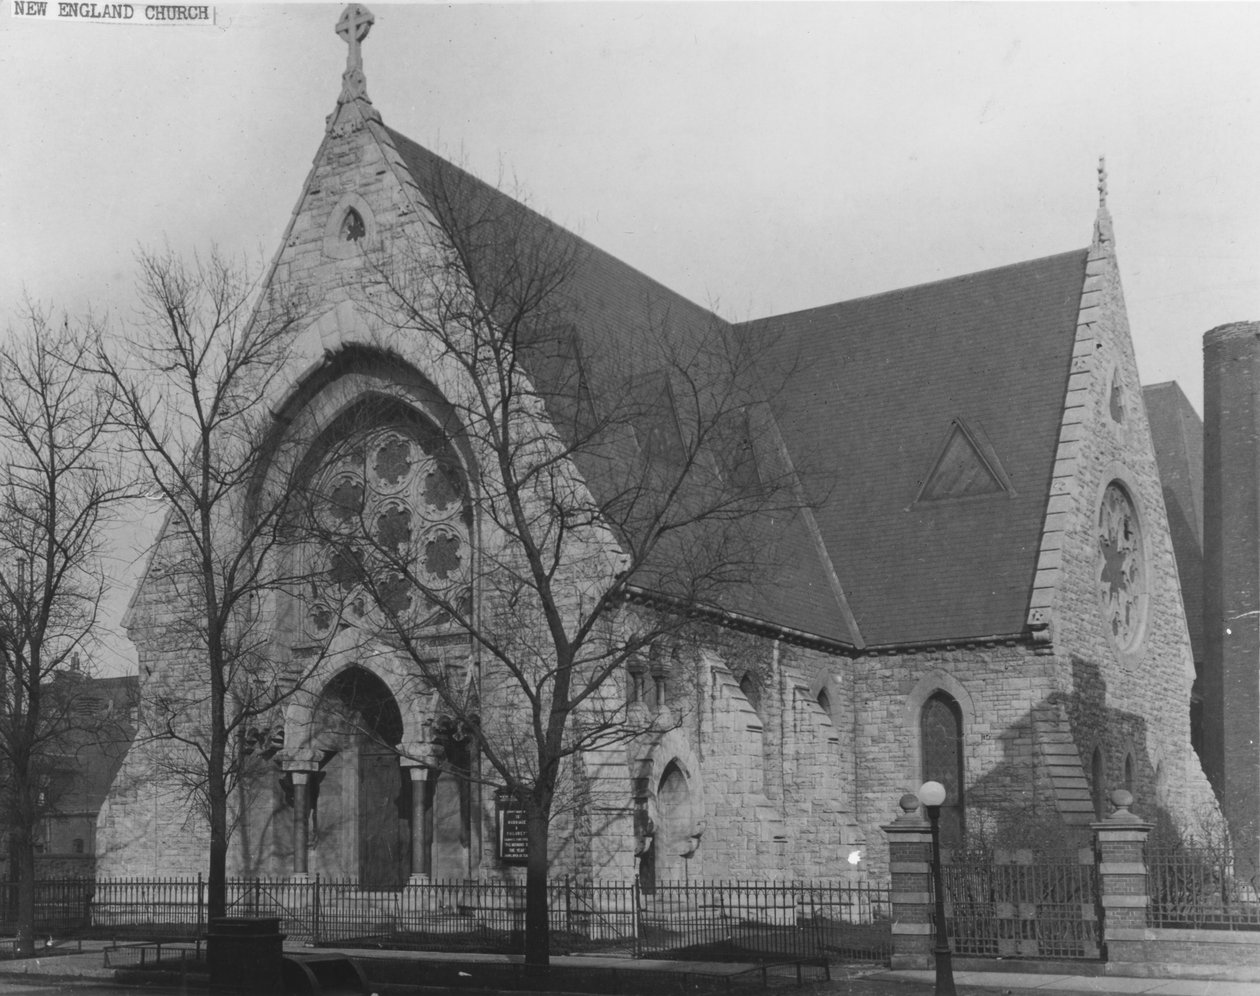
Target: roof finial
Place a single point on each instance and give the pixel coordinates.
(1103, 236)
(355, 23)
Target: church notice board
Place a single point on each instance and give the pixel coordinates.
(513, 835)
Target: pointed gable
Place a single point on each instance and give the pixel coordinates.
(876, 379)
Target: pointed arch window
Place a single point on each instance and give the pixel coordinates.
(751, 688)
(391, 524)
(941, 739)
(352, 227)
(1098, 783)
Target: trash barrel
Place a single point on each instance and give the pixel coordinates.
(245, 954)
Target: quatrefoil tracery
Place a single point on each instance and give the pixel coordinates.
(387, 507)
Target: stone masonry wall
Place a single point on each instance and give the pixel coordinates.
(997, 688)
(1132, 704)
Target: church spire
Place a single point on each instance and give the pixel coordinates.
(355, 23)
(1103, 235)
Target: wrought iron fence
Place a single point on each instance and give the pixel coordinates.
(1014, 904)
(748, 920)
(62, 906)
(763, 920)
(1199, 888)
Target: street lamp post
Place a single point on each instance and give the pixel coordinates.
(932, 795)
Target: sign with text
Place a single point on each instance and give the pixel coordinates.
(114, 13)
(513, 836)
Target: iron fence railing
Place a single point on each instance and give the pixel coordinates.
(748, 920)
(1199, 888)
(62, 906)
(760, 920)
(1014, 904)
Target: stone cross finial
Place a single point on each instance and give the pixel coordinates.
(355, 23)
(1102, 181)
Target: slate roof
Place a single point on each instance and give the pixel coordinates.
(1177, 435)
(617, 303)
(877, 385)
(879, 382)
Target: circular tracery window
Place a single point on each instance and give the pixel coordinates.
(1122, 589)
(393, 548)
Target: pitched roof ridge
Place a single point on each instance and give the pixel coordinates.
(534, 212)
(976, 274)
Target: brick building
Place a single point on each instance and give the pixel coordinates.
(1231, 578)
(981, 588)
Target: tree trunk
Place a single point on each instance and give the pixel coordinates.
(216, 790)
(24, 860)
(537, 926)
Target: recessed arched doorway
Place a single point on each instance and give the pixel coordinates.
(676, 834)
(362, 801)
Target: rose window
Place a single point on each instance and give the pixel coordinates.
(1121, 569)
(393, 542)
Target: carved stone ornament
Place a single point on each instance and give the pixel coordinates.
(1122, 592)
(392, 511)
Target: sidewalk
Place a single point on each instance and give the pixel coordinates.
(85, 973)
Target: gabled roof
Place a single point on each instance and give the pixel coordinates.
(877, 383)
(618, 303)
(879, 386)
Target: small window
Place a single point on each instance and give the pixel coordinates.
(78, 845)
(1117, 400)
(752, 692)
(1098, 786)
(824, 701)
(352, 227)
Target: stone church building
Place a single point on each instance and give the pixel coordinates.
(983, 593)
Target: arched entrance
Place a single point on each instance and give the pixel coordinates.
(362, 801)
(677, 833)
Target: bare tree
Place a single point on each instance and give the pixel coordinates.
(58, 484)
(625, 483)
(194, 374)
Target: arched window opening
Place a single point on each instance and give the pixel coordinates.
(751, 688)
(352, 227)
(940, 725)
(1098, 783)
(677, 838)
(824, 702)
(389, 525)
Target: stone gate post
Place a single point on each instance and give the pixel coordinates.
(910, 869)
(1122, 876)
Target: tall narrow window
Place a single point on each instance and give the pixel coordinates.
(1098, 784)
(941, 729)
(752, 692)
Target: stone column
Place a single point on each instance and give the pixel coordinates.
(301, 839)
(910, 870)
(418, 759)
(301, 766)
(1122, 878)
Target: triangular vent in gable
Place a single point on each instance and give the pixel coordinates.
(966, 467)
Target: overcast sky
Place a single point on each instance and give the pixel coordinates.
(756, 157)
